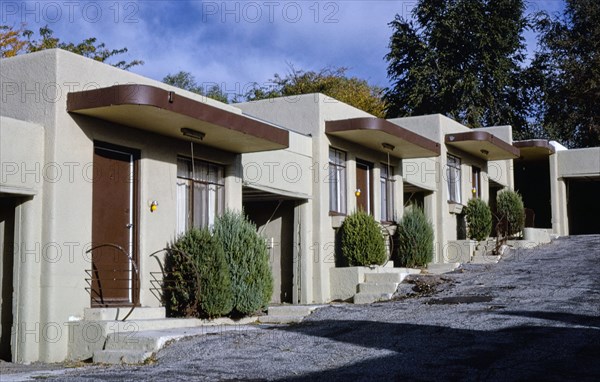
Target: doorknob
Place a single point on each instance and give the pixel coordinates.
(129, 226)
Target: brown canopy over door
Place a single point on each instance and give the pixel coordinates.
(364, 187)
(113, 218)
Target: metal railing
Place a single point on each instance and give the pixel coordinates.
(95, 281)
(160, 286)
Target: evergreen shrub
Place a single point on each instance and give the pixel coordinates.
(414, 239)
(479, 219)
(362, 242)
(197, 250)
(511, 212)
(247, 256)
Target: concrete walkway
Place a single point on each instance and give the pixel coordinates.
(533, 316)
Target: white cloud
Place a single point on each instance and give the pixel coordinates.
(230, 43)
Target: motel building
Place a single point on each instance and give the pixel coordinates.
(101, 169)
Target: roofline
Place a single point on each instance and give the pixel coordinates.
(541, 143)
(482, 136)
(147, 95)
(380, 124)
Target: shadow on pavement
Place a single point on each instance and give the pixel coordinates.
(424, 353)
(568, 318)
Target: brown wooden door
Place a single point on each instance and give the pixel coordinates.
(364, 187)
(113, 222)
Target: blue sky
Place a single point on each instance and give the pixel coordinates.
(232, 43)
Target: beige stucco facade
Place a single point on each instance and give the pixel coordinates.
(307, 115)
(429, 177)
(47, 157)
(47, 182)
(560, 185)
(567, 166)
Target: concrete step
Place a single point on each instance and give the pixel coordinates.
(140, 313)
(280, 319)
(292, 310)
(390, 277)
(118, 357)
(368, 298)
(485, 259)
(439, 268)
(111, 326)
(136, 347)
(87, 337)
(410, 271)
(371, 287)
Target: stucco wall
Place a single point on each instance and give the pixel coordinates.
(430, 174)
(308, 114)
(23, 171)
(287, 171)
(35, 88)
(21, 157)
(579, 162)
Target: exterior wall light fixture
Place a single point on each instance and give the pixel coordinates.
(192, 133)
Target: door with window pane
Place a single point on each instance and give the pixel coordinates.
(453, 179)
(387, 193)
(337, 181)
(364, 186)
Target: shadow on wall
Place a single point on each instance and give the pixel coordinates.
(425, 353)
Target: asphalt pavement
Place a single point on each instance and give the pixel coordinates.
(533, 316)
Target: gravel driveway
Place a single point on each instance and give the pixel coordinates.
(535, 315)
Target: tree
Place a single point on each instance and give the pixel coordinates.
(460, 58)
(187, 81)
(13, 42)
(332, 82)
(564, 76)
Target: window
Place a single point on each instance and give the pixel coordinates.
(453, 177)
(200, 193)
(387, 193)
(476, 181)
(337, 181)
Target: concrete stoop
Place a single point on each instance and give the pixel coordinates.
(287, 314)
(135, 340)
(378, 287)
(440, 268)
(136, 348)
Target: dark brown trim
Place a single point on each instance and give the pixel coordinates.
(379, 124)
(535, 143)
(482, 136)
(145, 95)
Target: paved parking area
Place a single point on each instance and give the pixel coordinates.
(535, 315)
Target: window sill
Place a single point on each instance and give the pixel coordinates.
(389, 227)
(455, 208)
(337, 220)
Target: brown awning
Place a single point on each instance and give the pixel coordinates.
(482, 144)
(164, 112)
(374, 132)
(534, 149)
